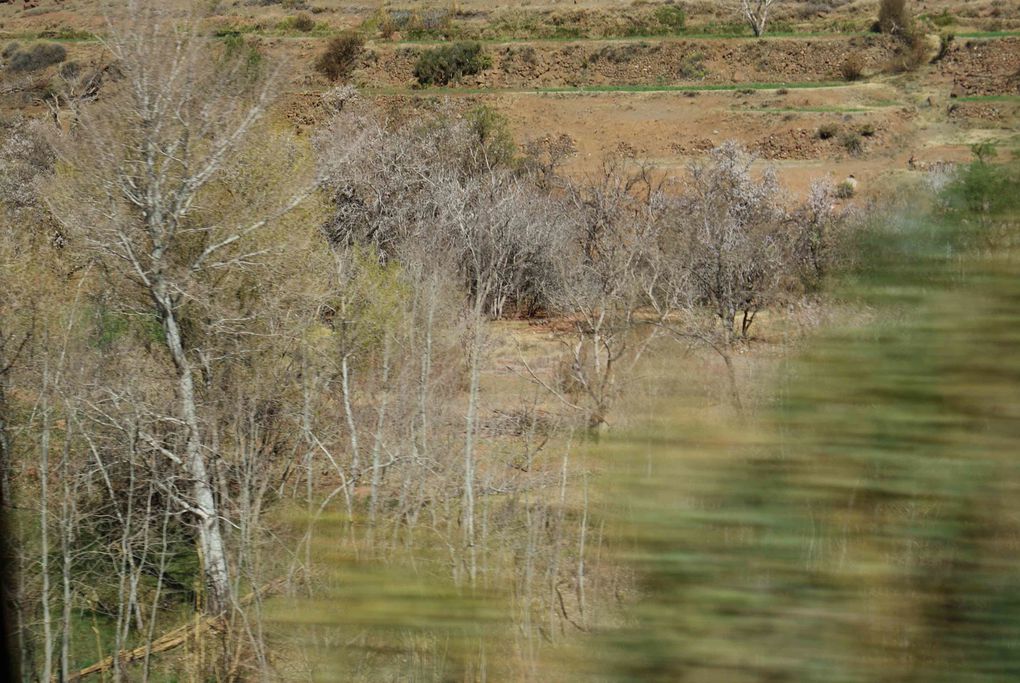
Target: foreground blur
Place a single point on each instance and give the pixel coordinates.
(869, 530)
(865, 528)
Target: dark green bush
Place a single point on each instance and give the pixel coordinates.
(448, 63)
(341, 55)
(827, 131)
(37, 57)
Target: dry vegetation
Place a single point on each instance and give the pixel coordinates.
(277, 321)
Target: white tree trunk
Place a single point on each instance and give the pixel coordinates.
(210, 538)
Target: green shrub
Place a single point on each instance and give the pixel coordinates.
(494, 135)
(692, 67)
(237, 48)
(341, 55)
(671, 17)
(984, 189)
(944, 19)
(827, 131)
(302, 23)
(866, 130)
(852, 143)
(448, 63)
(846, 189)
(34, 58)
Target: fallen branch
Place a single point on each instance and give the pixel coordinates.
(171, 639)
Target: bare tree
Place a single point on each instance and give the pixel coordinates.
(144, 192)
(729, 249)
(602, 280)
(756, 13)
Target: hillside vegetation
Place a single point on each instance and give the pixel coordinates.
(326, 356)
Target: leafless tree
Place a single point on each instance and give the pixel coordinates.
(728, 249)
(603, 277)
(820, 231)
(756, 13)
(145, 193)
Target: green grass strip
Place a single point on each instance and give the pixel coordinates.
(989, 34)
(989, 98)
(659, 37)
(579, 90)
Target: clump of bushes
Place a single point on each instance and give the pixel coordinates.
(448, 63)
(913, 54)
(894, 17)
(34, 58)
(852, 143)
(827, 131)
(846, 189)
(866, 130)
(671, 17)
(302, 23)
(692, 67)
(852, 68)
(945, 42)
(341, 55)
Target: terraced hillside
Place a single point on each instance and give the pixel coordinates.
(820, 94)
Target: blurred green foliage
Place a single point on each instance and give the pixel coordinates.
(863, 529)
(866, 531)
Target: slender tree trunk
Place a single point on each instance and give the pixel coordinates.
(210, 537)
(378, 439)
(44, 552)
(469, 445)
(68, 510)
(345, 387)
(731, 375)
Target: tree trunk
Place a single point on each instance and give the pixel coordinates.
(210, 538)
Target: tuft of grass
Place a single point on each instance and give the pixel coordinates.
(300, 23)
(672, 17)
(852, 143)
(846, 189)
